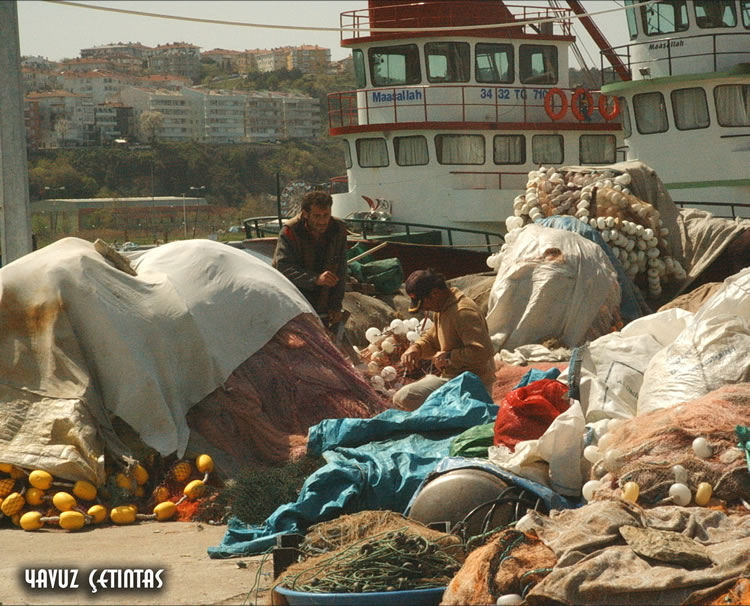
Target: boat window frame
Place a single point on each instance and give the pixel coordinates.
(631, 16)
(462, 61)
(611, 160)
(359, 155)
(745, 12)
(702, 22)
(411, 60)
(652, 7)
(439, 148)
(524, 64)
(396, 142)
(347, 154)
(664, 113)
(627, 124)
(362, 71)
(675, 113)
(716, 106)
(510, 78)
(509, 136)
(537, 161)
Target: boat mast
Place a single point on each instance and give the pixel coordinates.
(15, 222)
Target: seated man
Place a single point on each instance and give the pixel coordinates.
(311, 252)
(457, 341)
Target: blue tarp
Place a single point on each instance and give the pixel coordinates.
(632, 303)
(373, 463)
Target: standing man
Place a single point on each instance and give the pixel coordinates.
(311, 252)
(457, 341)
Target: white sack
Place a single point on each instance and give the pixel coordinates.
(78, 332)
(551, 283)
(712, 350)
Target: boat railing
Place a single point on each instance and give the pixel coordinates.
(360, 23)
(464, 103)
(728, 210)
(366, 228)
(670, 45)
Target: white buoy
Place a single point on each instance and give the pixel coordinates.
(388, 373)
(592, 453)
(680, 493)
(372, 334)
(589, 488)
(680, 474)
(702, 448)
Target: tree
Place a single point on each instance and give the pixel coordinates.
(62, 128)
(149, 125)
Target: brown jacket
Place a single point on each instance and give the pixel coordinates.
(301, 259)
(460, 328)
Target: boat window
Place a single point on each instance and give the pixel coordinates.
(537, 64)
(372, 153)
(509, 149)
(494, 63)
(459, 149)
(411, 151)
(547, 149)
(650, 113)
(745, 10)
(689, 108)
(630, 14)
(665, 17)
(715, 13)
(627, 128)
(597, 149)
(394, 65)
(733, 104)
(358, 58)
(448, 61)
(347, 154)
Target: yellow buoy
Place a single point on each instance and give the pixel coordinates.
(194, 489)
(84, 490)
(125, 482)
(40, 479)
(631, 491)
(34, 496)
(182, 471)
(12, 504)
(122, 514)
(703, 493)
(31, 520)
(72, 520)
(204, 463)
(98, 512)
(6, 486)
(141, 475)
(165, 511)
(16, 517)
(64, 501)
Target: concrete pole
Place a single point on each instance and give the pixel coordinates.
(15, 219)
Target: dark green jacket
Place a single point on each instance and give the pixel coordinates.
(302, 260)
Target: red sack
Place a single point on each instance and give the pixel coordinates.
(527, 412)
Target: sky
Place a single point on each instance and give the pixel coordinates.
(58, 31)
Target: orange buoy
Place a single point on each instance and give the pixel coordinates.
(605, 111)
(549, 99)
(582, 111)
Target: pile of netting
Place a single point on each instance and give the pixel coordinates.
(373, 551)
(601, 198)
(263, 411)
(383, 354)
(679, 455)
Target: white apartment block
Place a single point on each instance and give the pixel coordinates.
(274, 115)
(309, 58)
(178, 58)
(100, 86)
(133, 49)
(271, 60)
(178, 122)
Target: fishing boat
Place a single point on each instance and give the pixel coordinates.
(686, 111)
(455, 103)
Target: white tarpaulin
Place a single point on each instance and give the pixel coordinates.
(83, 341)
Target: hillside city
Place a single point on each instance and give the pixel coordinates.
(171, 93)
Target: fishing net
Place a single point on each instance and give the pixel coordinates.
(373, 551)
(262, 413)
(512, 562)
(651, 445)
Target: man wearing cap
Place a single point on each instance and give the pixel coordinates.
(311, 252)
(457, 341)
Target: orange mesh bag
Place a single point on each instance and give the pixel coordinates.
(527, 412)
(649, 445)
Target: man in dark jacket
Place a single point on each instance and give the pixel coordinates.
(311, 252)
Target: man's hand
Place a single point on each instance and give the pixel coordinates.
(441, 359)
(327, 278)
(411, 357)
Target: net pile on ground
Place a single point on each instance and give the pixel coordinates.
(263, 411)
(373, 551)
(688, 445)
(601, 198)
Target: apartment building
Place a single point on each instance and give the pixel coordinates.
(246, 62)
(272, 60)
(218, 116)
(308, 59)
(132, 49)
(177, 58)
(178, 117)
(300, 116)
(58, 118)
(225, 59)
(100, 86)
(35, 79)
(113, 121)
(85, 65)
(274, 115)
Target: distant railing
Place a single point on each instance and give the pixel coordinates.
(624, 52)
(730, 207)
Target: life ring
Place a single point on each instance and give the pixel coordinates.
(609, 114)
(575, 104)
(549, 98)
